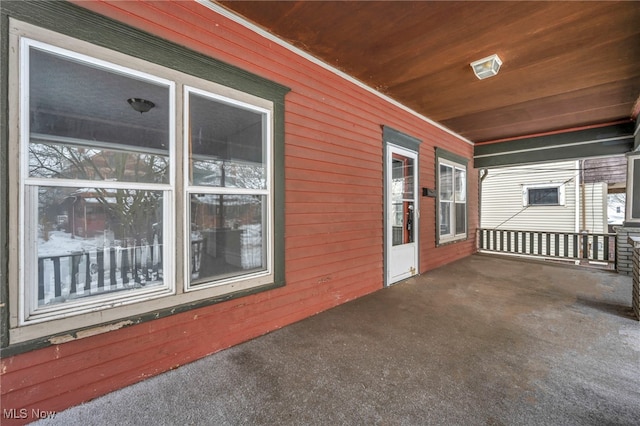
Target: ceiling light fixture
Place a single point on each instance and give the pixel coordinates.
(486, 67)
(140, 105)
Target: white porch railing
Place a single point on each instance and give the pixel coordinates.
(594, 248)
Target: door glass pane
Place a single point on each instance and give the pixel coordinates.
(82, 126)
(227, 144)
(402, 198)
(227, 236)
(94, 241)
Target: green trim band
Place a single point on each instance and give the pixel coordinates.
(403, 140)
(601, 141)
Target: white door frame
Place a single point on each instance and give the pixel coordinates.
(402, 260)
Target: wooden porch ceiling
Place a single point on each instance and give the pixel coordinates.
(566, 64)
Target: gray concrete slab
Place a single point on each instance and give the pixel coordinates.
(482, 341)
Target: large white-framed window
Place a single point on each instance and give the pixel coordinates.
(139, 188)
(96, 182)
(452, 199)
(228, 189)
(544, 194)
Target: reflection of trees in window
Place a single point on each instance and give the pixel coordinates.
(228, 173)
(58, 161)
(127, 211)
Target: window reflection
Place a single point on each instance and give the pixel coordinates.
(82, 127)
(226, 235)
(92, 241)
(227, 144)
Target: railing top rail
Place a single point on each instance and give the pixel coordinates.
(613, 234)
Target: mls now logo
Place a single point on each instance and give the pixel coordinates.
(23, 413)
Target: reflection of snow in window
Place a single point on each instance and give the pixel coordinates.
(100, 184)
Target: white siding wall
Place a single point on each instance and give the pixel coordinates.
(595, 212)
(502, 192)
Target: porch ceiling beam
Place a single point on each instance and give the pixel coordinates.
(608, 140)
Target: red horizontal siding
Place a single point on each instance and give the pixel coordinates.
(333, 217)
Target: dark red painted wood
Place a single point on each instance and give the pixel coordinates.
(333, 216)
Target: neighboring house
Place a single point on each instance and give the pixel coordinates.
(543, 197)
(547, 198)
(297, 188)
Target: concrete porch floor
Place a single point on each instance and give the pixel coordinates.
(482, 341)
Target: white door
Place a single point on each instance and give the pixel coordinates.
(402, 213)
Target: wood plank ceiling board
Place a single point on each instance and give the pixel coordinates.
(566, 64)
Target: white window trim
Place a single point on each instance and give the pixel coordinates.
(251, 279)
(114, 311)
(560, 186)
(29, 312)
(453, 236)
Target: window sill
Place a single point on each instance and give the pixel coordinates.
(450, 241)
(23, 339)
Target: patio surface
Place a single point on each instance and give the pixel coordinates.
(482, 341)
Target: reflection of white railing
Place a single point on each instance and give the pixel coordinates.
(102, 270)
(559, 245)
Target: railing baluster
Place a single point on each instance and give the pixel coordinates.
(135, 263)
(41, 280)
(585, 246)
(495, 244)
(548, 244)
(531, 243)
(146, 262)
(595, 248)
(576, 253)
(508, 241)
(124, 265)
(112, 267)
(100, 263)
(56, 274)
(566, 245)
(87, 271)
(605, 248)
(75, 262)
(539, 243)
(556, 238)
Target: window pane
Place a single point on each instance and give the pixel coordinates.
(461, 185)
(402, 171)
(227, 236)
(461, 218)
(82, 126)
(94, 241)
(445, 218)
(446, 183)
(544, 196)
(227, 144)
